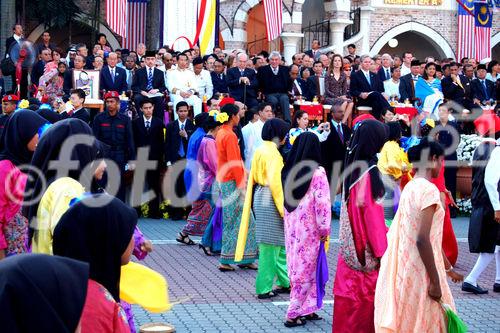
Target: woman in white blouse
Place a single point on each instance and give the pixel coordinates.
(391, 86)
(300, 125)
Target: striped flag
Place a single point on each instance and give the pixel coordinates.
(482, 30)
(136, 24)
(116, 16)
(465, 47)
(207, 25)
(273, 10)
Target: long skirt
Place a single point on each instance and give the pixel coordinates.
(199, 216)
(232, 208)
(16, 235)
(212, 237)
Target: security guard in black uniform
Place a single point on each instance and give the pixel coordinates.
(115, 130)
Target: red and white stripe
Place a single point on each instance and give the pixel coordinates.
(116, 16)
(482, 42)
(136, 25)
(273, 10)
(465, 47)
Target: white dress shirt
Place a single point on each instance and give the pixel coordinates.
(405, 70)
(492, 176)
(205, 86)
(181, 80)
(391, 88)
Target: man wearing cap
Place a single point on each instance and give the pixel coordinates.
(115, 130)
(149, 81)
(483, 90)
(9, 104)
(407, 82)
(183, 85)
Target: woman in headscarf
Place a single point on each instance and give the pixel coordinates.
(17, 144)
(362, 235)
(231, 179)
(30, 283)
(264, 203)
(307, 225)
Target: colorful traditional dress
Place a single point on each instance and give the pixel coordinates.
(264, 203)
(304, 227)
(402, 303)
(231, 178)
(431, 95)
(357, 266)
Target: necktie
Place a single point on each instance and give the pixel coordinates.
(415, 77)
(487, 97)
(148, 125)
(387, 74)
(339, 132)
(221, 76)
(242, 73)
(368, 79)
(181, 151)
(150, 79)
(275, 71)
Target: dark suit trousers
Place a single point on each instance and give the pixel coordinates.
(177, 213)
(377, 102)
(158, 102)
(154, 183)
(281, 100)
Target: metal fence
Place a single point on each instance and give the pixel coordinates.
(354, 28)
(317, 30)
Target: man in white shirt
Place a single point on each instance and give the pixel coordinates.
(253, 136)
(183, 85)
(203, 78)
(406, 67)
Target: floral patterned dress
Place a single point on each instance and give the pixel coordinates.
(303, 229)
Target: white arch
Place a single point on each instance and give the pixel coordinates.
(495, 39)
(113, 42)
(431, 35)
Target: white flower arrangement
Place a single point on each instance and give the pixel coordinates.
(466, 147)
(464, 206)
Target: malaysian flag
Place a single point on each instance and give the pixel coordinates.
(116, 16)
(465, 47)
(136, 24)
(482, 30)
(273, 10)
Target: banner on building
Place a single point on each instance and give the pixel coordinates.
(483, 18)
(136, 24)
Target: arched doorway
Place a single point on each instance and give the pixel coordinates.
(495, 46)
(256, 30)
(414, 37)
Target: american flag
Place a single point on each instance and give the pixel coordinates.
(116, 16)
(465, 47)
(136, 25)
(273, 10)
(482, 30)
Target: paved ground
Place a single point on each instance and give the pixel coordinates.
(225, 302)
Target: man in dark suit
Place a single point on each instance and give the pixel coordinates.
(77, 98)
(68, 75)
(316, 82)
(177, 137)
(368, 88)
(314, 51)
(39, 66)
(384, 73)
(298, 86)
(219, 79)
(408, 81)
(17, 37)
(454, 87)
(274, 82)
(242, 82)
(148, 132)
(334, 148)
(483, 91)
(113, 78)
(149, 81)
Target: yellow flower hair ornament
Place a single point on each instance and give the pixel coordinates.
(222, 117)
(213, 113)
(24, 104)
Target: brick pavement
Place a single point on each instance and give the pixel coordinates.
(225, 302)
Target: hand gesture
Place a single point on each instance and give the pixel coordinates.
(183, 133)
(147, 246)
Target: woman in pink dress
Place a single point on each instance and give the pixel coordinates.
(307, 224)
(412, 279)
(362, 232)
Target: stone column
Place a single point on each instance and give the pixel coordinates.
(338, 13)
(153, 25)
(290, 44)
(7, 20)
(366, 13)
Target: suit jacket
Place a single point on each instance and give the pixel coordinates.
(360, 84)
(154, 138)
(37, 71)
(140, 80)
(307, 92)
(406, 88)
(8, 43)
(477, 90)
(333, 149)
(273, 84)
(120, 82)
(173, 140)
(68, 81)
(82, 114)
(314, 86)
(382, 75)
(310, 53)
(237, 89)
(452, 91)
(220, 85)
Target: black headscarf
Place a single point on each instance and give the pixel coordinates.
(305, 148)
(275, 128)
(20, 128)
(48, 150)
(367, 140)
(41, 293)
(394, 131)
(97, 230)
